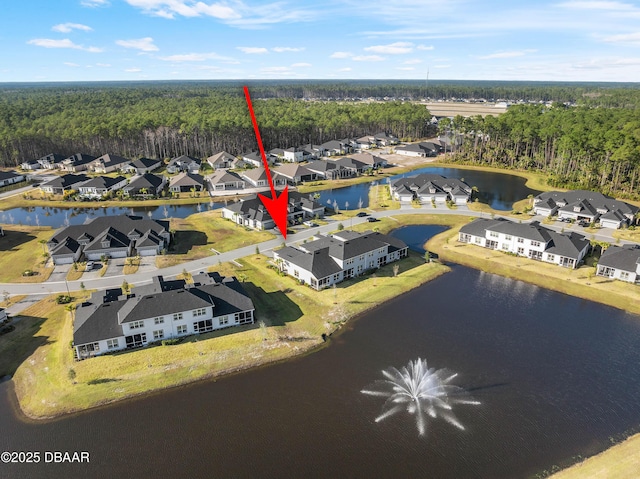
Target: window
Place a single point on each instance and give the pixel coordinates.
(182, 329)
(158, 320)
(508, 238)
(296, 273)
(520, 250)
(223, 320)
(505, 246)
(551, 257)
(520, 240)
(477, 240)
(535, 244)
(136, 340)
(336, 277)
(624, 275)
(203, 326)
(113, 343)
(177, 316)
(493, 234)
(136, 324)
(244, 317)
(200, 312)
(158, 334)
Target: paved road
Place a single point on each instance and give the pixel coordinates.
(144, 276)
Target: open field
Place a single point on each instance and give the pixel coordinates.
(21, 248)
(49, 382)
(450, 108)
(196, 235)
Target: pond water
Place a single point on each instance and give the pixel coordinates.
(500, 191)
(556, 377)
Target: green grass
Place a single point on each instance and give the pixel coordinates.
(380, 199)
(296, 317)
(20, 248)
(196, 235)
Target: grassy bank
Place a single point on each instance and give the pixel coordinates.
(580, 282)
(380, 199)
(295, 318)
(21, 248)
(196, 236)
(621, 461)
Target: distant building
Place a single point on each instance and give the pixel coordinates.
(145, 185)
(51, 161)
(184, 163)
(96, 188)
(76, 163)
(222, 180)
(224, 160)
(295, 173)
(112, 321)
(10, 177)
(422, 149)
(186, 182)
(428, 187)
(141, 166)
(257, 178)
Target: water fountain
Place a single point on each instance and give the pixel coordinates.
(421, 391)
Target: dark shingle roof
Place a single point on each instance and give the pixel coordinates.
(65, 181)
(625, 258)
(96, 322)
(568, 245)
(596, 199)
(103, 182)
(147, 180)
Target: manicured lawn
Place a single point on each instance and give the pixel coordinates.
(621, 461)
(20, 250)
(580, 282)
(380, 199)
(295, 317)
(627, 234)
(131, 265)
(76, 271)
(196, 235)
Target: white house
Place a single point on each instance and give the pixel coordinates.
(428, 187)
(257, 178)
(98, 187)
(620, 262)
(10, 177)
(332, 259)
(222, 180)
(113, 321)
(224, 160)
(526, 239)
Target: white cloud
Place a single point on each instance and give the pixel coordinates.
(145, 44)
(64, 43)
(397, 48)
(133, 70)
(510, 54)
(301, 65)
(597, 5)
(103, 65)
(67, 27)
(341, 55)
(347, 69)
(412, 61)
(185, 8)
(253, 50)
(94, 3)
(442, 66)
(624, 38)
(368, 58)
(286, 49)
(405, 68)
(425, 47)
(194, 57)
(70, 64)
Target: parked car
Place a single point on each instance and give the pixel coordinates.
(310, 224)
(362, 214)
(90, 266)
(584, 223)
(371, 219)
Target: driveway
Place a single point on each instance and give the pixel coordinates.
(115, 267)
(93, 274)
(147, 264)
(59, 273)
(16, 308)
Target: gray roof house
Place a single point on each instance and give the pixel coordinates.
(112, 321)
(30, 165)
(585, 205)
(222, 180)
(257, 178)
(531, 240)
(113, 236)
(254, 158)
(98, 187)
(620, 262)
(141, 166)
(224, 160)
(108, 163)
(428, 187)
(295, 173)
(77, 162)
(332, 259)
(186, 182)
(60, 184)
(51, 161)
(334, 148)
(10, 177)
(372, 161)
(250, 211)
(184, 163)
(423, 149)
(144, 185)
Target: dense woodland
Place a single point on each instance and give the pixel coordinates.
(593, 143)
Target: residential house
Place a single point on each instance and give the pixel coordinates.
(98, 187)
(3, 315)
(585, 205)
(141, 166)
(332, 259)
(257, 178)
(51, 161)
(184, 163)
(254, 158)
(366, 142)
(385, 139)
(77, 162)
(30, 165)
(310, 152)
(428, 187)
(63, 183)
(222, 180)
(108, 163)
(295, 173)
(372, 161)
(527, 239)
(111, 236)
(250, 211)
(10, 177)
(349, 166)
(145, 185)
(620, 262)
(293, 155)
(113, 321)
(224, 160)
(422, 149)
(327, 169)
(335, 148)
(186, 182)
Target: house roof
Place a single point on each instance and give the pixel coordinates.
(293, 170)
(184, 159)
(253, 155)
(569, 245)
(111, 160)
(222, 156)
(147, 180)
(187, 179)
(348, 162)
(96, 322)
(79, 159)
(103, 182)
(52, 158)
(425, 182)
(6, 175)
(478, 226)
(595, 199)
(367, 158)
(144, 163)
(625, 258)
(258, 174)
(65, 181)
(322, 166)
(222, 176)
(332, 145)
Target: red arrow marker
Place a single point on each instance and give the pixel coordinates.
(276, 205)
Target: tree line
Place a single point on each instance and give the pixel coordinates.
(579, 147)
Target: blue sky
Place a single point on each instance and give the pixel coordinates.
(93, 40)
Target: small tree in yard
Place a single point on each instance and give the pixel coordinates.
(263, 330)
(257, 250)
(72, 375)
(340, 226)
(396, 269)
(125, 286)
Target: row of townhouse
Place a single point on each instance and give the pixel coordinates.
(109, 236)
(113, 321)
(331, 259)
(530, 240)
(251, 212)
(585, 205)
(428, 187)
(10, 177)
